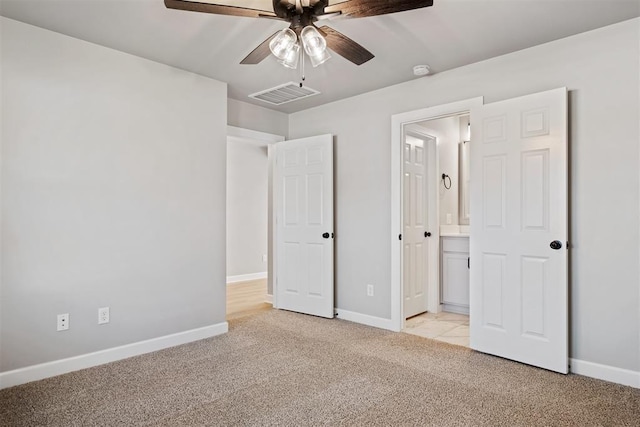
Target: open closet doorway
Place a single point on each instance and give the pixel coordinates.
(249, 220)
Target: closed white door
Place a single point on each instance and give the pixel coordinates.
(519, 284)
(415, 248)
(304, 225)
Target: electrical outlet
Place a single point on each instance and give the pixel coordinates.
(264, 258)
(63, 322)
(103, 315)
(369, 290)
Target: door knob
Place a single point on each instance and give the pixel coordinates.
(427, 234)
(556, 244)
(325, 235)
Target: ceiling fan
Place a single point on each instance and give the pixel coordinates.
(302, 16)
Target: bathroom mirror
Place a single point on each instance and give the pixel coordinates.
(463, 179)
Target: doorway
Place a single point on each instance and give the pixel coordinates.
(403, 124)
(518, 301)
(433, 195)
(249, 230)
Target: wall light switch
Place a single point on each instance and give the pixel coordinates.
(264, 258)
(449, 219)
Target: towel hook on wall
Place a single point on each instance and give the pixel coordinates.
(446, 177)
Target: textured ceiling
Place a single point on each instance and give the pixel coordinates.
(450, 34)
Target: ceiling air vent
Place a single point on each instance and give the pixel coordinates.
(284, 93)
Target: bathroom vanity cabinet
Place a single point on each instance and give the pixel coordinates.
(454, 273)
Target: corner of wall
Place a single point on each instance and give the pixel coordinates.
(248, 116)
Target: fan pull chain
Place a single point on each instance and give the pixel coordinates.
(302, 59)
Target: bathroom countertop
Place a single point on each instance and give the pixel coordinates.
(454, 234)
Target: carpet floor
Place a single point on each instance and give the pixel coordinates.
(281, 368)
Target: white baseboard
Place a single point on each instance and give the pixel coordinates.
(605, 372)
(63, 366)
(450, 308)
(365, 319)
(269, 299)
(246, 277)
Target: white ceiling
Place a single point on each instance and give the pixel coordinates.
(450, 34)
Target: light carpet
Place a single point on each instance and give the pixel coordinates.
(281, 368)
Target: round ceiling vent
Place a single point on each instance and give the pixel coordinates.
(421, 70)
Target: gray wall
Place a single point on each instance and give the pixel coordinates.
(601, 70)
(244, 115)
(113, 194)
(447, 132)
(247, 190)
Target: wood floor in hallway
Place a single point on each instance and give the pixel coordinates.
(246, 297)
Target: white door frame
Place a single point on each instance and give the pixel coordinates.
(398, 123)
(248, 135)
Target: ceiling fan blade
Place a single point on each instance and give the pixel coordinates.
(262, 15)
(345, 47)
(324, 16)
(217, 9)
(362, 8)
(258, 54)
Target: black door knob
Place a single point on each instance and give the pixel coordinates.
(325, 235)
(556, 244)
(427, 234)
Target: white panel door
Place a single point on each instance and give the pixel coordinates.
(519, 307)
(304, 225)
(414, 220)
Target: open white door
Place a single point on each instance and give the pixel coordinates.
(519, 210)
(417, 152)
(304, 225)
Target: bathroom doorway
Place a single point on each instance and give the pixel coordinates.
(407, 124)
(435, 236)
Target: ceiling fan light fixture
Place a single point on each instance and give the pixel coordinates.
(314, 45)
(291, 57)
(282, 43)
(320, 58)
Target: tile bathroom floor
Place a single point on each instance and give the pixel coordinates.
(448, 327)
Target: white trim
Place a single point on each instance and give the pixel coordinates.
(268, 299)
(398, 121)
(605, 372)
(365, 319)
(242, 133)
(273, 224)
(247, 277)
(452, 308)
(63, 366)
